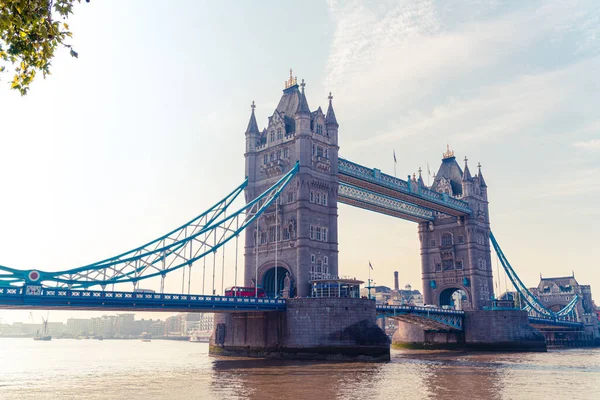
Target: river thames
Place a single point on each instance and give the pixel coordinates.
(132, 369)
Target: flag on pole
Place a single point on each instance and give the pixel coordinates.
(370, 266)
(428, 171)
(395, 156)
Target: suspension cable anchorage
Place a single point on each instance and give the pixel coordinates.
(533, 303)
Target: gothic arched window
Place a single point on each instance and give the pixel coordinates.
(446, 239)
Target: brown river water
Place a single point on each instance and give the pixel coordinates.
(131, 369)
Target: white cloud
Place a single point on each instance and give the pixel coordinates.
(592, 145)
(580, 183)
(416, 74)
(495, 111)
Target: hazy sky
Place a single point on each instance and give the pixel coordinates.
(146, 129)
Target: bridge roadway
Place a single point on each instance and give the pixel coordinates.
(429, 318)
(35, 298)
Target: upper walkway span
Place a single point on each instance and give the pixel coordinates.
(371, 189)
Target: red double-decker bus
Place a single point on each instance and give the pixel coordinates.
(245, 291)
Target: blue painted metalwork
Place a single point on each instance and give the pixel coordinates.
(533, 305)
(433, 318)
(375, 176)
(555, 322)
(37, 297)
(181, 247)
(364, 198)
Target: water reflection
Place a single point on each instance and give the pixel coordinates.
(272, 379)
(90, 370)
(454, 375)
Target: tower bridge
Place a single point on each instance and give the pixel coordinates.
(294, 182)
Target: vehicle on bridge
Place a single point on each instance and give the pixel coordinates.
(245, 291)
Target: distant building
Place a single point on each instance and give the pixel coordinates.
(556, 293)
(153, 327)
(385, 295)
(205, 323)
(184, 323)
(172, 326)
(79, 326)
(124, 324)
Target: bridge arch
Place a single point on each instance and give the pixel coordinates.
(269, 280)
(455, 296)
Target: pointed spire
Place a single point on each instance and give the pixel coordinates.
(252, 125)
(466, 174)
(330, 117)
(481, 180)
(302, 103)
(420, 180)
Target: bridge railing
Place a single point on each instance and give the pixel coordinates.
(420, 309)
(554, 322)
(146, 297)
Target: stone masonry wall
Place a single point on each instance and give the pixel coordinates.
(332, 322)
(335, 328)
(501, 329)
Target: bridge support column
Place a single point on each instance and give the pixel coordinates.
(311, 328)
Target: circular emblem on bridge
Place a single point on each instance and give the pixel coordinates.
(33, 276)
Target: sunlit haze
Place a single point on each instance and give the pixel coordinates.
(145, 130)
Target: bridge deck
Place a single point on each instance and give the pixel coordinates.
(426, 317)
(552, 324)
(14, 298)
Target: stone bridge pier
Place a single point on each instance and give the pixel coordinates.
(485, 330)
(310, 328)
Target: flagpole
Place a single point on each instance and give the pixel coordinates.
(369, 280)
(428, 174)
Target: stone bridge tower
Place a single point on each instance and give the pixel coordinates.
(303, 227)
(455, 252)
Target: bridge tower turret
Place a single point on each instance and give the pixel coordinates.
(302, 228)
(455, 251)
(252, 134)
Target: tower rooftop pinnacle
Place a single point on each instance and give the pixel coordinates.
(466, 174)
(293, 81)
(302, 103)
(252, 125)
(330, 117)
(480, 176)
(449, 153)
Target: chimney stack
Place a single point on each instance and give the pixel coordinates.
(396, 286)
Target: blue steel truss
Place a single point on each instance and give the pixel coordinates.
(364, 198)
(36, 297)
(179, 248)
(426, 317)
(424, 196)
(532, 304)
